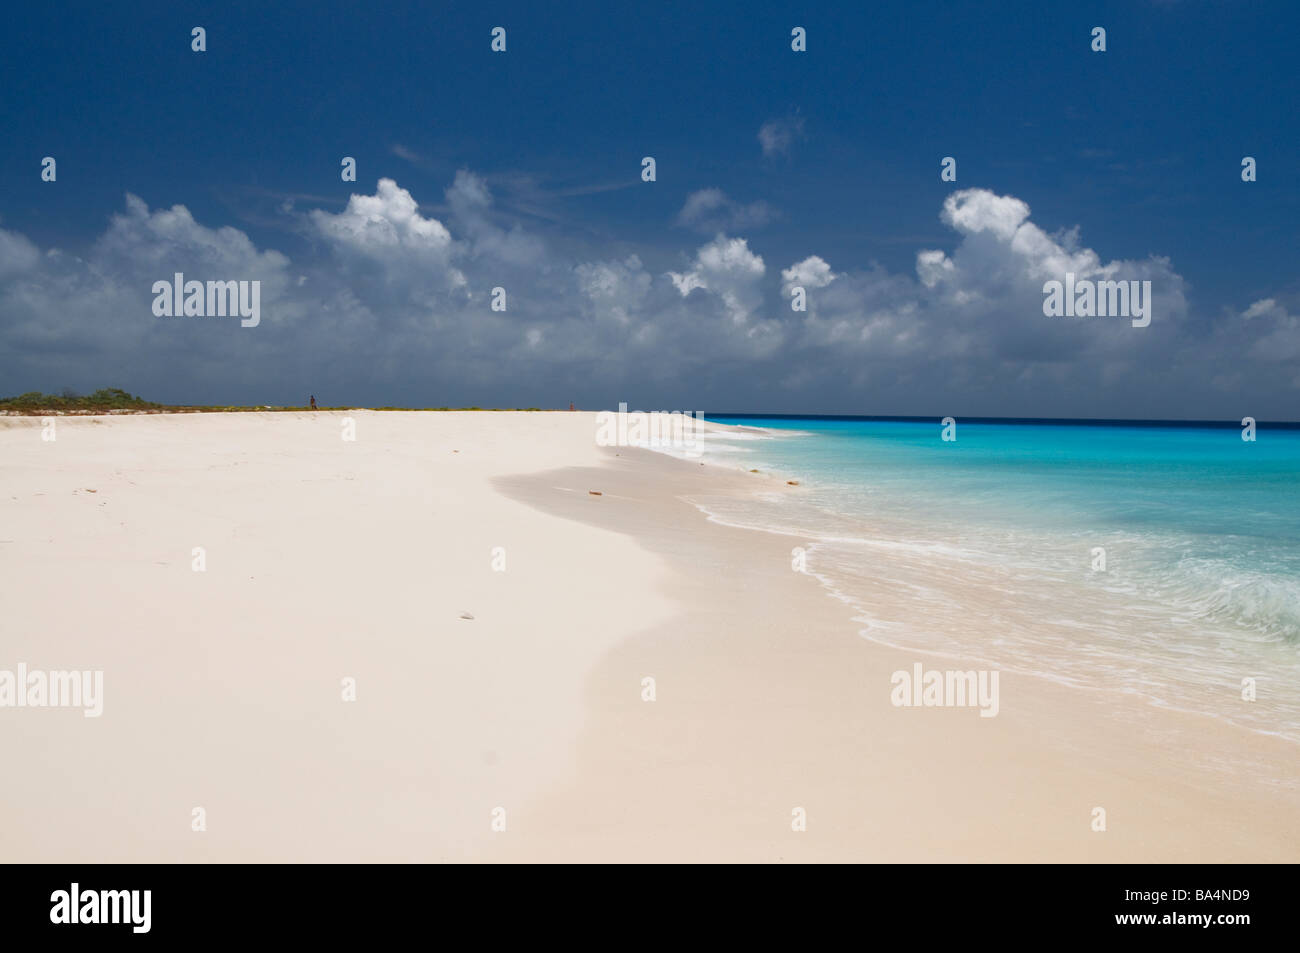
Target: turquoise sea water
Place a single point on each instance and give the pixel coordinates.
(986, 546)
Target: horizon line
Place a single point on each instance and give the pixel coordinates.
(1086, 421)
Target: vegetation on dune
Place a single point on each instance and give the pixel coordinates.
(106, 398)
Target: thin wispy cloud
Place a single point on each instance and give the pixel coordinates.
(712, 210)
(411, 156)
(777, 135)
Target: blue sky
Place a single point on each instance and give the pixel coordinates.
(1138, 149)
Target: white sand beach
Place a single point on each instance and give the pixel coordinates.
(326, 560)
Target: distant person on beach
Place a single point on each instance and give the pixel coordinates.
(313, 401)
(571, 405)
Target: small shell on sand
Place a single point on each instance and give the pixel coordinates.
(595, 493)
(466, 615)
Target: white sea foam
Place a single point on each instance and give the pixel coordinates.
(1030, 604)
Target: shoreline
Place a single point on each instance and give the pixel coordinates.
(223, 691)
(1052, 740)
(865, 626)
(839, 532)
